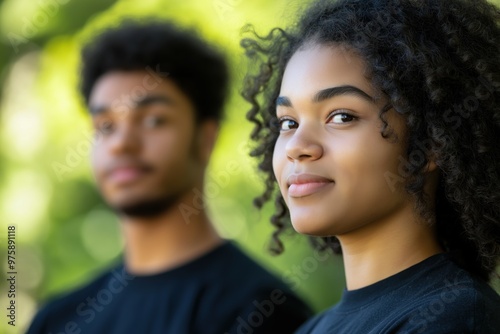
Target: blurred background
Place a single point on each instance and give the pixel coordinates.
(65, 234)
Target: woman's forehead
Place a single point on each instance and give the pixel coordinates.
(319, 67)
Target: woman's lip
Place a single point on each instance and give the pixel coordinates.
(298, 190)
(301, 185)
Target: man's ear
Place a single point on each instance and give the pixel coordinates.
(208, 132)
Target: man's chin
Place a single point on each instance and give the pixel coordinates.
(146, 208)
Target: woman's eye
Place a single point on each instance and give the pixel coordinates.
(287, 124)
(153, 121)
(341, 118)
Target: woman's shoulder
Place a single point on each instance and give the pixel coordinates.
(437, 296)
(460, 304)
(449, 299)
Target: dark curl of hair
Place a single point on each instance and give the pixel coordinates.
(438, 63)
(198, 69)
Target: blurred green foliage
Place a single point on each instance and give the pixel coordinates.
(65, 233)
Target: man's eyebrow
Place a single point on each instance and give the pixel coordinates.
(97, 110)
(329, 93)
(143, 102)
(152, 99)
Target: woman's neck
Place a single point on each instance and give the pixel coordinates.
(384, 248)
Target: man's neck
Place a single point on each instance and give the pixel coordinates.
(167, 241)
(383, 249)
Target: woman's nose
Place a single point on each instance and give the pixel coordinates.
(304, 144)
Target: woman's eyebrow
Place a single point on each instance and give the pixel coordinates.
(329, 93)
(283, 101)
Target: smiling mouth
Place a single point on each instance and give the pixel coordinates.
(302, 185)
(297, 190)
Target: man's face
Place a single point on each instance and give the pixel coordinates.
(330, 159)
(146, 153)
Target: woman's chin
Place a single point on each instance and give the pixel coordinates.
(308, 227)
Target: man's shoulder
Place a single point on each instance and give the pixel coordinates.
(64, 298)
(65, 305)
(256, 299)
(237, 266)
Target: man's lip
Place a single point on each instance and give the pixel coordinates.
(125, 173)
(301, 185)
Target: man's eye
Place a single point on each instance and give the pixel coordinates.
(153, 121)
(287, 124)
(341, 118)
(105, 127)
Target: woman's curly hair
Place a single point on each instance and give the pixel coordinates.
(438, 63)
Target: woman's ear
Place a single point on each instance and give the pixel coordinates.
(431, 164)
(208, 132)
(432, 176)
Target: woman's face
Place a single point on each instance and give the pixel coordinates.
(334, 169)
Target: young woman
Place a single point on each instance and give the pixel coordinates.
(379, 121)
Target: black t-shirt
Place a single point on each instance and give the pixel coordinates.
(434, 296)
(220, 292)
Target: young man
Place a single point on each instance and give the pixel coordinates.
(156, 95)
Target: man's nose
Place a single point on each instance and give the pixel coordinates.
(125, 139)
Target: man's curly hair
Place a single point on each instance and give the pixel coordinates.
(438, 63)
(196, 67)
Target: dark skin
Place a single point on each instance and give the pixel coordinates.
(330, 161)
(148, 157)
